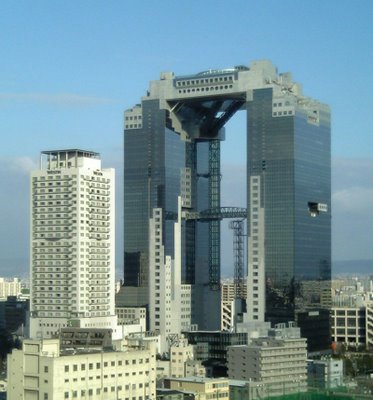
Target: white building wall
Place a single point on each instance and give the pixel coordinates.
(169, 299)
(280, 364)
(40, 372)
(72, 234)
(9, 287)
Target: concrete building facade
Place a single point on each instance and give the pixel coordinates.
(325, 373)
(10, 287)
(206, 388)
(369, 325)
(72, 239)
(279, 363)
(42, 371)
(349, 325)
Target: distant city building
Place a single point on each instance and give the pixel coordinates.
(72, 267)
(182, 362)
(211, 347)
(369, 325)
(231, 304)
(131, 315)
(173, 394)
(349, 325)
(205, 388)
(325, 374)
(14, 314)
(229, 288)
(352, 299)
(42, 370)
(278, 362)
(10, 287)
(172, 150)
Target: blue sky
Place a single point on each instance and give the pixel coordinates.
(69, 69)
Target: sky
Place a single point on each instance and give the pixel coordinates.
(69, 69)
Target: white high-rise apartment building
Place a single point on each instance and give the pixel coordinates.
(72, 260)
(9, 287)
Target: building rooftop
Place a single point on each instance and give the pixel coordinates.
(77, 152)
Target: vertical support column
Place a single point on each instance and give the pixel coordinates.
(214, 203)
(238, 251)
(190, 226)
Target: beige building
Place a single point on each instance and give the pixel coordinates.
(228, 303)
(9, 287)
(182, 362)
(277, 362)
(206, 388)
(42, 371)
(349, 325)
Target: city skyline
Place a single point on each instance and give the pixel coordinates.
(172, 143)
(67, 85)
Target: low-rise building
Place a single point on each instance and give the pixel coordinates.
(278, 362)
(349, 325)
(9, 287)
(369, 325)
(131, 316)
(325, 374)
(182, 362)
(42, 370)
(13, 313)
(170, 394)
(212, 346)
(206, 388)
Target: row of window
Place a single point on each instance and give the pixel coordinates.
(135, 117)
(280, 113)
(201, 81)
(207, 89)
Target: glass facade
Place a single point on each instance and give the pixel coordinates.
(178, 127)
(153, 158)
(291, 156)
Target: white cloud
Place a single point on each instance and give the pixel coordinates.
(356, 200)
(61, 99)
(20, 165)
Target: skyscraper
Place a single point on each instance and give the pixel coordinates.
(172, 148)
(72, 243)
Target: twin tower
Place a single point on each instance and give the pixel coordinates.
(172, 209)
